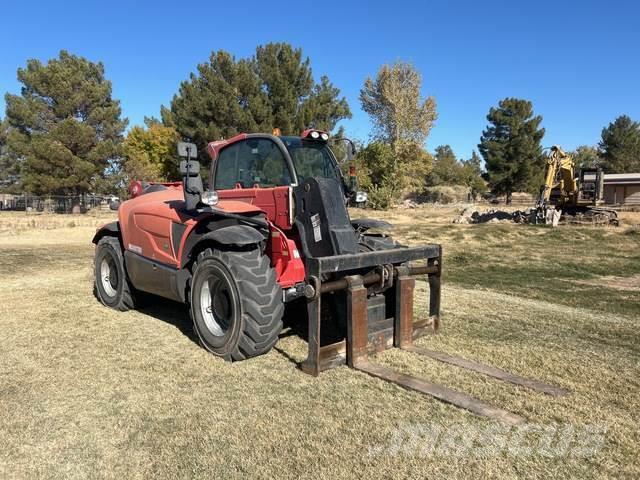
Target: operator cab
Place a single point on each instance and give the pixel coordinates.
(267, 161)
(296, 181)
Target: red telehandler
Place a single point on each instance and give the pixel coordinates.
(273, 232)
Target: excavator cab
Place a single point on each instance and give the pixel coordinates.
(591, 186)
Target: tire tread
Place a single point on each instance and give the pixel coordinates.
(260, 297)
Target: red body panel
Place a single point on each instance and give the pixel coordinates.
(214, 147)
(285, 259)
(145, 223)
(283, 251)
(273, 201)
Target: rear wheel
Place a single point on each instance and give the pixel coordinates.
(235, 303)
(112, 285)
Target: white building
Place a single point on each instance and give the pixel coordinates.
(622, 188)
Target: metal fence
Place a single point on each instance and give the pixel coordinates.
(56, 203)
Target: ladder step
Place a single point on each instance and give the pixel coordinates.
(440, 392)
(489, 370)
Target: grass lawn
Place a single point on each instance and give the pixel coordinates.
(88, 392)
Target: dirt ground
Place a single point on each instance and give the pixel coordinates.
(87, 392)
(631, 283)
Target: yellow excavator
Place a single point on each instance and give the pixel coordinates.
(569, 197)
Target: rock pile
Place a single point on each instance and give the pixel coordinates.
(408, 203)
(473, 215)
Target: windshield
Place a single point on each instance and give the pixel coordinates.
(310, 159)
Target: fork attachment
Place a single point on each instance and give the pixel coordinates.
(381, 276)
(399, 283)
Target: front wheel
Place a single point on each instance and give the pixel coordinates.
(112, 285)
(235, 303)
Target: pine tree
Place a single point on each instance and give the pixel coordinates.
(324, 109)
(620, 146)
(10, 164)
(65, 126)
(274, 88)
(472, 175)
(510, 146)
(288, 81)
(223, 99)
(446, 168)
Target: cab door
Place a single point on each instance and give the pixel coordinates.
(256, 171)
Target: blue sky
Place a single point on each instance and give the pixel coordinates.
(576, 61)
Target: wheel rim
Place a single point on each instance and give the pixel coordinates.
(216, 305)
(109, 276)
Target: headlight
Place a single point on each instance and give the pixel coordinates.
(315, 135)
(361, 197)
(210, 198)
(324, 136)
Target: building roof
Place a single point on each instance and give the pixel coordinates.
(616, 178)
(621, 178)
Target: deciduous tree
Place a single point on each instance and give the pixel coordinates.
(393, 171)
(150, 153)
(395, 104)
(402, 119)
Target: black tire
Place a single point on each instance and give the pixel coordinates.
(244, 315)
(113, 292)
(372, 243)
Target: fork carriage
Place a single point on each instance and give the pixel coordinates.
(378, 321)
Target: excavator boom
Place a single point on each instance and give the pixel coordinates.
(559, 177)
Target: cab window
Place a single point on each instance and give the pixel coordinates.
(311, 159)
(251, 162)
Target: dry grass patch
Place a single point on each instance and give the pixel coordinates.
(87, 392)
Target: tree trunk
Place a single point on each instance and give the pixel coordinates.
(509, 198)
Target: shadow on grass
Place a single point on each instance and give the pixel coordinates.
(168, 311)
(295, 322)
(177, 315)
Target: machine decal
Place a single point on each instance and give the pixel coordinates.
(315, 222)
(135, 248)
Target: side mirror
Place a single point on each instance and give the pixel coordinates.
(344, 150)
(189, 168)
(190, 171)
(187, 150)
